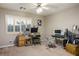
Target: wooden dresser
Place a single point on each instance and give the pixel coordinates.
(21, 40)
(73, 49)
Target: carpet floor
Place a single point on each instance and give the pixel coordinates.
(38, 50)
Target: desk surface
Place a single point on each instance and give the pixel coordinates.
(58, 36)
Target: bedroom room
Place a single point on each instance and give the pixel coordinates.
(39, 29)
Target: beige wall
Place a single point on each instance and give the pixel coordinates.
(62, 20)
(4, 37)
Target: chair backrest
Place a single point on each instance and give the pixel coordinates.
(70, 37)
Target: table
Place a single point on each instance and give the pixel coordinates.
(59, 39)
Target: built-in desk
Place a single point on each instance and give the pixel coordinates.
(58, 36)
(59, 39)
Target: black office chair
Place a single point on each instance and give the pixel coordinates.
(36, 39)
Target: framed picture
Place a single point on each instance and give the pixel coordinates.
(39, 22)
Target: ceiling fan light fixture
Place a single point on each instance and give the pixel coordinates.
(39, 10)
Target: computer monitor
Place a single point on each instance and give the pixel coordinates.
(27, 29)
(34, 30)
(58, 31)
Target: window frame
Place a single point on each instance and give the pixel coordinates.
(14, 20)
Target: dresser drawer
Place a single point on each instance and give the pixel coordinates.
(21, 40)
(22, 43)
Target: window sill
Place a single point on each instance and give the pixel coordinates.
(13, 32)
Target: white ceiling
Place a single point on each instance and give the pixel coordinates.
(53, 7)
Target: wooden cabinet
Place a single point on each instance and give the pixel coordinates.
(74, 49)
(21, 40)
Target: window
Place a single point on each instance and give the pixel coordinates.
(16, 23)
(10, 23)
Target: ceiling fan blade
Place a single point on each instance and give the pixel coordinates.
(44, 4)
(34, 4)
(45, 8)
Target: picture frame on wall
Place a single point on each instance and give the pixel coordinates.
(39, 22)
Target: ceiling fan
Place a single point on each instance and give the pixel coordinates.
(40, 7)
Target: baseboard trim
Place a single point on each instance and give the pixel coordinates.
(6, 46)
